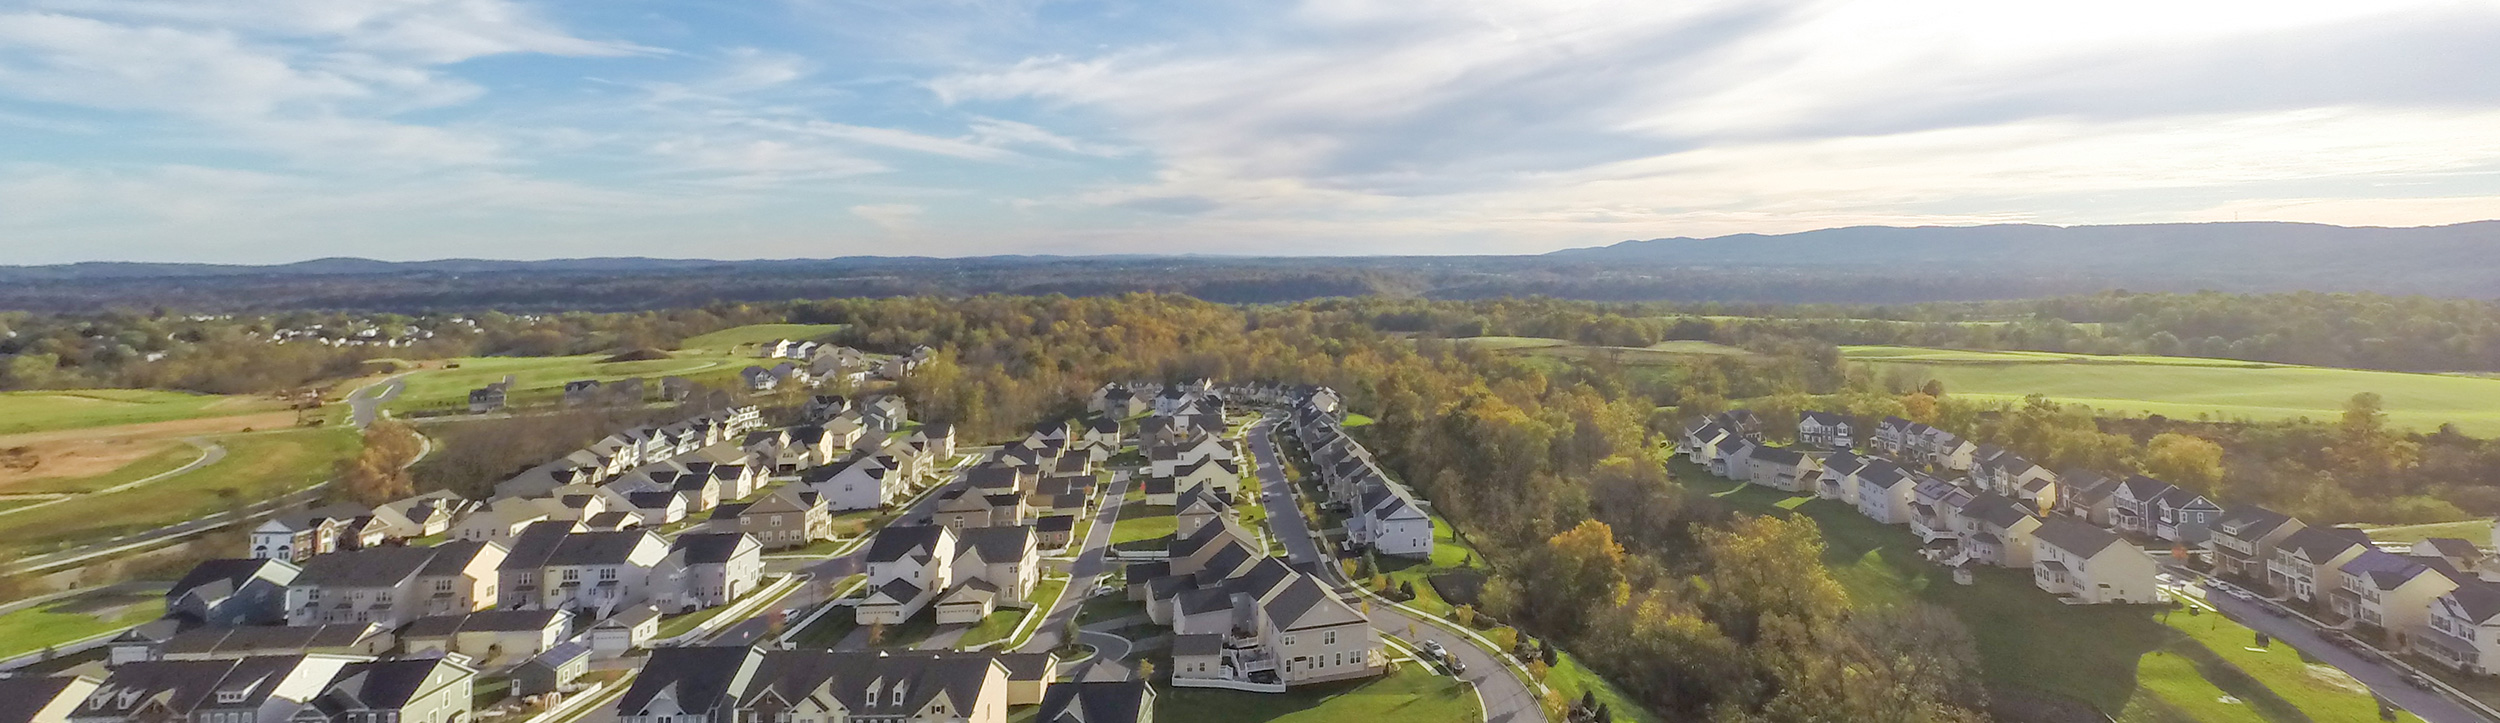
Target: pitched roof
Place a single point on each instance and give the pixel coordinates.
(481, 621)
(2075, 536)
(228, 575)
(899, 541)
(2321, 544)
(22, 698)
(1304, 603)
(2250, 522)
(711, 548)
(999, 544)
(371, 567)
(699, 679)
(1997, 510)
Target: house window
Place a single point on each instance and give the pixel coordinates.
(607, 573)
(1288, 640)
(1328, 638)
(572, 575)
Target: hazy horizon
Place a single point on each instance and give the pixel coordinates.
(287, 130)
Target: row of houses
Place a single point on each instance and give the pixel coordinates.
(964, 574)
(1381, 514)
(741, 684)
(1244, 620)
(298, 688)
(811, 363)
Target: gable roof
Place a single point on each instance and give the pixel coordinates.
(370, 567)
(897, 542)
(2250, 522)
(2321, 544)
(2075, 536)
(712, 548)
(699, 679)
(999, 544)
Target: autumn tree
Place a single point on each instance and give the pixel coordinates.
(379, 473)
(2185, 460)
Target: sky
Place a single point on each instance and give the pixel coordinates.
(261, 131)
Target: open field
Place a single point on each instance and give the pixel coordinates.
(2477, 531)
(88, 458)
(75, 618)
(2126, 660)
(1413, 693)
(731, 339)
(257, 466)
(2187, 388)
(1143, 524)
(38, 411)
(1628, 354)
(539, 379)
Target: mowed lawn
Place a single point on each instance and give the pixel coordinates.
(1413, 693)
(730, 339)
(2186, 387)
(41, 411)
(257, 466)
(74, 619)
(2120, 659)
(543, 378)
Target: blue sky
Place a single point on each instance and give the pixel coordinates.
(277, 130)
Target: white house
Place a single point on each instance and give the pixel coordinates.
(2087, 564)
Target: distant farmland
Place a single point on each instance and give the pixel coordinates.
(2187, 388)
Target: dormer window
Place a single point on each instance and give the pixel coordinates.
(898, 693)
(229, 697)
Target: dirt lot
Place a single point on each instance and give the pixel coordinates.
(96, 451)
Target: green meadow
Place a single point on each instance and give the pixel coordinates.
(539, 379)
(2190, 388)
(42, 411)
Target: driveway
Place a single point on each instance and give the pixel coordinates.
(2383, 679)
(1506, 698)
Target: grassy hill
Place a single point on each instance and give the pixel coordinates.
(39, 411)
(2186, 387)
(730, 339)
(540, 378)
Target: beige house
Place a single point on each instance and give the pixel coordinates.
(2463, 631)
(2389, 592)
(908, 565)
(2308, 564)
(495, 638)
(502, 522)
(1997, 530)
(2086, 564)
(790, 517)
(2245, 537)
(993, 567)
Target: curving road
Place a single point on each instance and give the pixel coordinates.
(2383, 679)
(210, 453)
(1507, 699)
(365, 404)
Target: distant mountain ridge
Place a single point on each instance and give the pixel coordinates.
(1861, 264)
(2226, 250)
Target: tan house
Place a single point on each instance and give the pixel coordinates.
(790, 517)
(2245, 537)
(2086, 564)
(2308, 564)
(1997, 530)
(2390, 593)
(993, 567)
(2463, 631)
(495, 638)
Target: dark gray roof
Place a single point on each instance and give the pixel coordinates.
(376, 685)
(21, 698)
(2385, 570)
(1996, 509)
(2452, 547)
(452, 557)
(2321, 544)
(999, 544)
(2075, 536)
(867, 684)
(1199, 644)
(598, 548)
(708, 548)
(1824, 418)
(1306, 603)
(2250, 522)
(483, 621)
(373, 567)
(2480, 600)
(1123, 701)
(699, 679)
(232, 573)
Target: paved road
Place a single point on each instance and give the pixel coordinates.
(1506, 698)
(2383, 679)
(1089, 562)
(365, 404)
(162, 535)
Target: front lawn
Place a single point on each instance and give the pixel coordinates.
(1570, 679)
(1108, 607)
(999, 625)
(1143, 526)
(828, 630)
(1413, 693)
(1449, 555)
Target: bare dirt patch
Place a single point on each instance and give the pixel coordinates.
(96, 451)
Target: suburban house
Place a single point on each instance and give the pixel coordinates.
(1055, 532)
(298, 537)
(289, 688)
(2245, 537)
(1780, 468)
(232, 592)
(628, 630)
(2086, 564)
(993, 566)
(719, 568)
(229, 643)
(2131, 506)
(2390, 593)
(392, 585)
(425, 515)
(1997, 530)
(787, 518)
(496, 639)
(2183, 516)
(2308, 564)
(581, 392)
(501, 522)
(1838, 478)
(1885, 493)
(1824, 429)
(864, 482)
(553, 670)
(727, 685)
(1390, 521)
(2086, 495)
(2463, 632)
(596, 573)
(908, 565)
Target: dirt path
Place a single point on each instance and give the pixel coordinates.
(210, 453)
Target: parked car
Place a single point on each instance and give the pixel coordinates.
(1434, 647)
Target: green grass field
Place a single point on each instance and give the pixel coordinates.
(41, 411)
(257, 466)
(2121, 659)
(541, 379)
(729, 340)
(1143, 523)
(2478, 531)
(73, 619)
(2187, 388)
(1413, 693)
